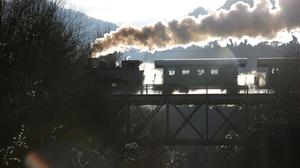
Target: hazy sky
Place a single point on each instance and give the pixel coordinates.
(139, 12)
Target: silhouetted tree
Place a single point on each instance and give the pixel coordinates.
(42, 70)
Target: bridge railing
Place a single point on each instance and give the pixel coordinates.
(161, 89)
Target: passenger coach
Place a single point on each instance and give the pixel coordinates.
(282, 74)
(213, 72)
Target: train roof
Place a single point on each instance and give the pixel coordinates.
(132, 61)
(266, 62)
(241, 62)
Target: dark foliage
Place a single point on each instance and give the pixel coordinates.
(48, 86)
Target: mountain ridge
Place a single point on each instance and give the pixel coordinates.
(90, 28)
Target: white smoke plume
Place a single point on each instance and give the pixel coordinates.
(240, 21)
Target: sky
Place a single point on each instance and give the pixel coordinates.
(146, 12)
(140, 12)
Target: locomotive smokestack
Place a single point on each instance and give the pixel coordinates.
(241, 20)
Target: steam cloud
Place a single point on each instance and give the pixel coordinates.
(241, 20)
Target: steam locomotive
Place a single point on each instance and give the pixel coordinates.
(128, 73)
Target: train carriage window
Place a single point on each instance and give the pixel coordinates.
(171, 72)
(274, 70)
(214, 72)
(185, 72)
(200, 72)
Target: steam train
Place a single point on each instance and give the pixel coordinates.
(282, 74)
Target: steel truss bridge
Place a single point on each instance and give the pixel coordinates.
(213, 119)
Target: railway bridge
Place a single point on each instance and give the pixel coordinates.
(205, 117)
